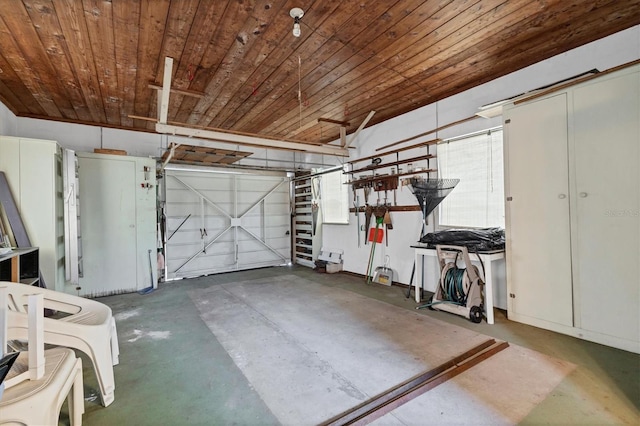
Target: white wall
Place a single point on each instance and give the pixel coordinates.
(603, 54)
(8, 121)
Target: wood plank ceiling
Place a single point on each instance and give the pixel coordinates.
(92, 61)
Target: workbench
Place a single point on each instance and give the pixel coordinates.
(487, 258)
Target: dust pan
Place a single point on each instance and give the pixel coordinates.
(384, 274)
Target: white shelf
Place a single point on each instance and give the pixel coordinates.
(303, 223)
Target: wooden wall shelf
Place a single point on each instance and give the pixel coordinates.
(392, 164)
(389, 181)
(359, 182)
(395, 151)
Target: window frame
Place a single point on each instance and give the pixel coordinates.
(337, 193)
(489, 177)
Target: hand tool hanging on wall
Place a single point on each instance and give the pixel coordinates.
(203, 229)
(373, 249)
(314, 218)
(367, 190)
(316, 196)
(356, 205)
(388, 225)
(381, 212)
(368, 211)
(203, 233)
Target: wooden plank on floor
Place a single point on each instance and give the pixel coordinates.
(361, 409)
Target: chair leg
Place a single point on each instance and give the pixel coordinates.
(103, 367)
(76, 396)
(115, 348)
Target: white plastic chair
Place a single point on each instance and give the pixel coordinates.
(88, 327)
(40, 380)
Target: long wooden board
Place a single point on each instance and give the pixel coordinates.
(387, 401)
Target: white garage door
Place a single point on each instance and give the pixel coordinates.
(220, 221)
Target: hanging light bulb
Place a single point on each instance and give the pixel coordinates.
(296, 13)
(296, 28)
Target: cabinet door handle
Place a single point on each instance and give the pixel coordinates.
(583, 195)
(562, 196)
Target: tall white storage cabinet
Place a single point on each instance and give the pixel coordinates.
(34, 171)
(573, 210)
(118, 223)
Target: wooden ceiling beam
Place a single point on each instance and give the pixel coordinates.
(331, 121)
(220, 135)
(249, 140)
(301, 129)
(182, 92)
(362, 126)
(163, 94)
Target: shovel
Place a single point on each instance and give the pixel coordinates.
(373, 250)
(368, 211)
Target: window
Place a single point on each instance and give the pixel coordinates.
(478, 200)
(334, 197)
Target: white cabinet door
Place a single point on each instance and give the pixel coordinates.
(537, 211)
(607, 239)
(32, 167)
(108, 211)
(41, 205)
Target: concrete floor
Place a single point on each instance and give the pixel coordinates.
(173, 370)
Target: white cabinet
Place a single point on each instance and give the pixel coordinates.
(537, 213)
(118, 223)
(33, 170)
(572, 216)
